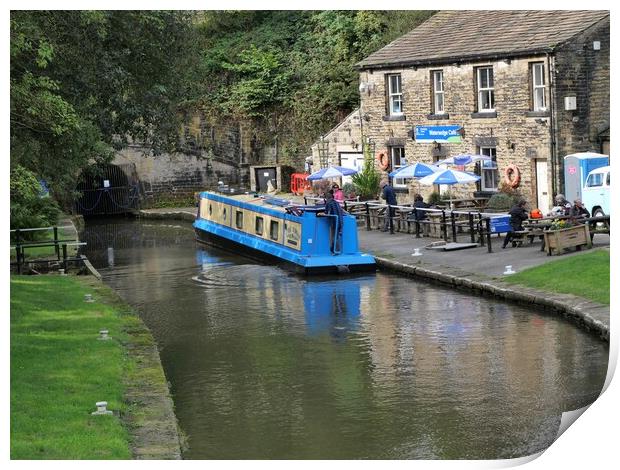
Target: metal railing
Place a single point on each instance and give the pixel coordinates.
(61, 255)
(445, 223)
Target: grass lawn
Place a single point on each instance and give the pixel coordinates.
(585, 275)
(59, 370)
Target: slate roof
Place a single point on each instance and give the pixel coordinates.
(458, 36)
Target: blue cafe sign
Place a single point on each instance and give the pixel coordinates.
(440, 134)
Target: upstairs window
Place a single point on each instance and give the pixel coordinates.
(489, 176)
(485, 89)
(397, 160)
(437, 91)
(394, 95)
(539, 94)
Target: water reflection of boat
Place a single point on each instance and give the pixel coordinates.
(333, 306)
(273, 229)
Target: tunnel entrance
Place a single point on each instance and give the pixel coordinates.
(108, 189)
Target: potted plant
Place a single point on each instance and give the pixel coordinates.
(563, 234)
(366, 182)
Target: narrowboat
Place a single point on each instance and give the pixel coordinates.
(293, 236)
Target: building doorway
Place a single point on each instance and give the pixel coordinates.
(351, 160)
(542, 186)
(263, 176)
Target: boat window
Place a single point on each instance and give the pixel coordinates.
(224, 214)
(239, 220)
(210, 210)
(608, 178)
(273, 230)
(259, 226)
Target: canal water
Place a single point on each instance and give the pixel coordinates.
(263, 364)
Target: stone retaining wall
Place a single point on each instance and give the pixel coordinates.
(587, 314)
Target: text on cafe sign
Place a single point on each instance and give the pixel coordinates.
(441, 134)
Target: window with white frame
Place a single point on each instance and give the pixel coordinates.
(395, 95)
(539, 97)
(438, 107)
(397, 159)
(486, 91)
(489, 176)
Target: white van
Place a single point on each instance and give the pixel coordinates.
(595, 192)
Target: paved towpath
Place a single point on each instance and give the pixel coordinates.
(473, 269)
(400, 246)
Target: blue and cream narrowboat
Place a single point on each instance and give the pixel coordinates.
(272, 229)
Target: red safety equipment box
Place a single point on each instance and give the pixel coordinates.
(299, 183)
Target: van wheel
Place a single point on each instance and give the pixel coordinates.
(600, 225)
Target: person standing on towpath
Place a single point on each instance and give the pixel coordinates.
(387, 193)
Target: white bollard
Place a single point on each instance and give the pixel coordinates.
(416, 252)
(88, 298)
(62, 272)
(101, 408)
(103, 335)
(509, 269)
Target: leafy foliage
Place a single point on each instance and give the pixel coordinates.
(505, 198)
(86, 82)
(28, 208)
(292, 73)
(500, 201)
(434, 198)
(367, 181)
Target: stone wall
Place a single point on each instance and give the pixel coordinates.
(345, 137)
(583, 72)
(211, 150)
(174, 176)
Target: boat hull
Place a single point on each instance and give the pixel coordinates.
(338, 264)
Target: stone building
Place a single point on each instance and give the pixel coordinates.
(524, 87)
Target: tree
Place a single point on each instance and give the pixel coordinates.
(84, 83)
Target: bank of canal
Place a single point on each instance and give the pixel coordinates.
(263, 364)
(60, 367)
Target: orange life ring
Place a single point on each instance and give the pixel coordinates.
(384, 159)
(512, 176)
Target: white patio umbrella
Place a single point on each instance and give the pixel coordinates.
(464, 159)
(449, 177)
(415, 170)
(331, 172)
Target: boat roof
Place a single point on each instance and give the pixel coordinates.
(260, 200)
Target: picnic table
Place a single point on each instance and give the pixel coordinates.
(469, 202)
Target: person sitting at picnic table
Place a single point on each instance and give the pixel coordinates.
(578, 210)
(338, 194)
(332, 208)
(387, 193)
(562, 206)
(518, 215)
(418, 203)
